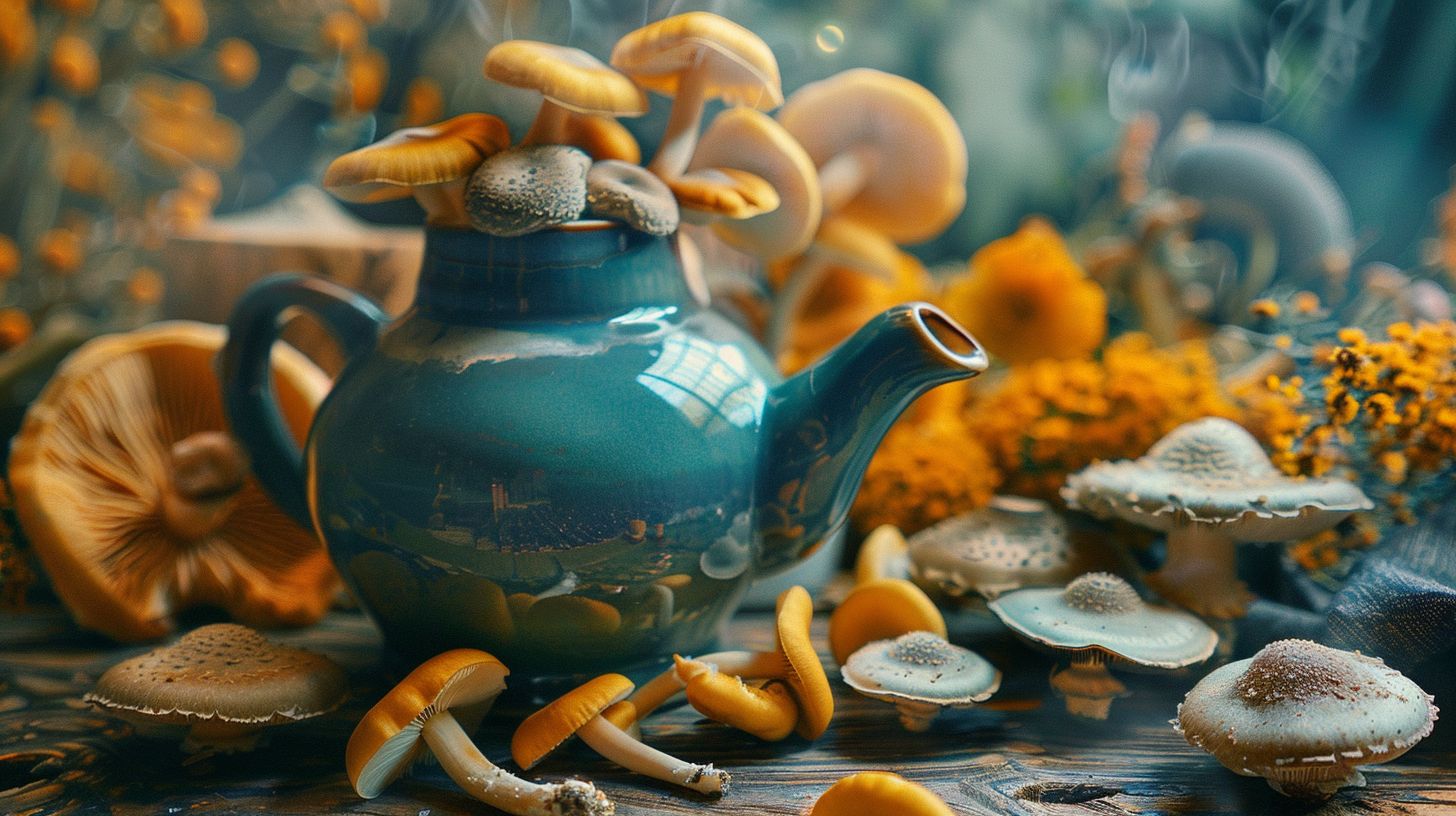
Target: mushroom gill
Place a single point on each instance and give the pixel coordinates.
(139, 504)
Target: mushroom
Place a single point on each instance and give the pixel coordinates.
(432, 163)
(884, 554)
(578, 713)
(1099, 618)
(841, 243)
(766, 711)
(526, 189)
(921, 673)
(1010, 543)
(570, 81)
(878, 792)
(130, 428)
(1304, 716)
(601, 137)
(418, 718)
(226, 682)
(694, 57)
(722, 192)
(746, 140)
(625, 192)
(889, 154)
(1208, 485)
(880, 609)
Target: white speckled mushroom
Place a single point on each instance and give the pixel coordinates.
(921, 674)
(1010, 543)
(1209, 485)
(526, 189)
(1099, 618)
(625, 192)
(1305, 716)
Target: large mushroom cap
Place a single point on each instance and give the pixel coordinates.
(1101, 612)
(132, 499)
(878, 792)
(222, 675)
(921, 667)
(1213, 471)
(916, 184)
(433, 154)
(541, 733)
(740, 67)
(1010, 543)
(1303, 715)
(569, 77)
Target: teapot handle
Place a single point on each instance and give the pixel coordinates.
(246, 373)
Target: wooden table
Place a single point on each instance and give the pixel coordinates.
(1020, 754)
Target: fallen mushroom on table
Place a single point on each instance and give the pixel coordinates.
(1100, 619)
(226, 683)
(880, 609)
(1209, 486)
(417, 718)
(1305, 716)
(874, 792)
(921, 674)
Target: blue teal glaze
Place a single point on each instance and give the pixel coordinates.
(558, 456)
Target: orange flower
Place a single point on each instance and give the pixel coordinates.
(1025, 298)
(923, 473)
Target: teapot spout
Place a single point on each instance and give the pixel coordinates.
(824, 424)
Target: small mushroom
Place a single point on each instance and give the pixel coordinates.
(226, 682)
(418, 719)
(131, 429)
(840, 243)
(889, 153)
(1099, 618)
(722, 192)
(1209, 485)
(578, 713)
(884, 554)
(526, 189)
(694, 57)
(569, 80)
(766, 711)
(431, 163)
(881, 609)
(878, 792)
(1010, 543)
(920, 673)
(625, 192)
(1304, 716)
(746, 140)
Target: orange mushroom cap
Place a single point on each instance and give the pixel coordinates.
(741, 68)
(725, 192)
(879, 610)
(568, 77)
(413, 157)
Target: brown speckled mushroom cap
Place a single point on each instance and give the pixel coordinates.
(222, 674)
(1303, 715)
(1101, 612)
(1010, 543)
(1212, 471)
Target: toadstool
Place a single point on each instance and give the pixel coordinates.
(1304, 716)
(920, 673)
(432, 163)
(878, 792)
(526, 189)
(570, 81)
(1010, 543)
(1099, 618)
(418, 718)
(226, 682)
(131, 429)
(625, 192)
(578, 713)
(880, 609)
(1209, 485)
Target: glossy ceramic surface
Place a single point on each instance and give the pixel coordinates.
(559, 456)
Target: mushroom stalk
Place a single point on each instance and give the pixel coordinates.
(205, 471)
(843, 176)
(479, 777)
(1087, 686)
(549, 126)
(444, 203)
(618, 746)
(916, 717)
(1200, 572)
(680, 138)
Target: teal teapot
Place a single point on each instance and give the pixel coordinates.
(558, 454)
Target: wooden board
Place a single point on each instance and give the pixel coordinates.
(1018, 755)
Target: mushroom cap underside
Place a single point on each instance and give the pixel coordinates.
(569, 77)
(741, 68)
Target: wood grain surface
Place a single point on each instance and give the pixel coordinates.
(1019, 754)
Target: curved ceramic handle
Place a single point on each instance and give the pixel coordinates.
(246, 370)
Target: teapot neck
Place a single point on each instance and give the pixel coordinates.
(563, 274)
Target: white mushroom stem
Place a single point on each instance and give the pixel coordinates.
(915, 716)
(480, 778)
(549, 126)
(1200, 572)
(619, 747)
(680, 138)
(844, 175)
(444, 203)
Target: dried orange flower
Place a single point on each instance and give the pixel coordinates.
(9, 258)
(342, 31)
(17, 34)
(185, 22)
(1264, 307)
(61, 251)
(365, 76)
(1049, 418)
(1025, 298)
(922, 473)
(15, 327)
(237, 62)
(145, 287)
(424, 103)
(74, 65)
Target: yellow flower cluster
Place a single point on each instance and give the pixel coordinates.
(924, 472)
(1050, 418)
